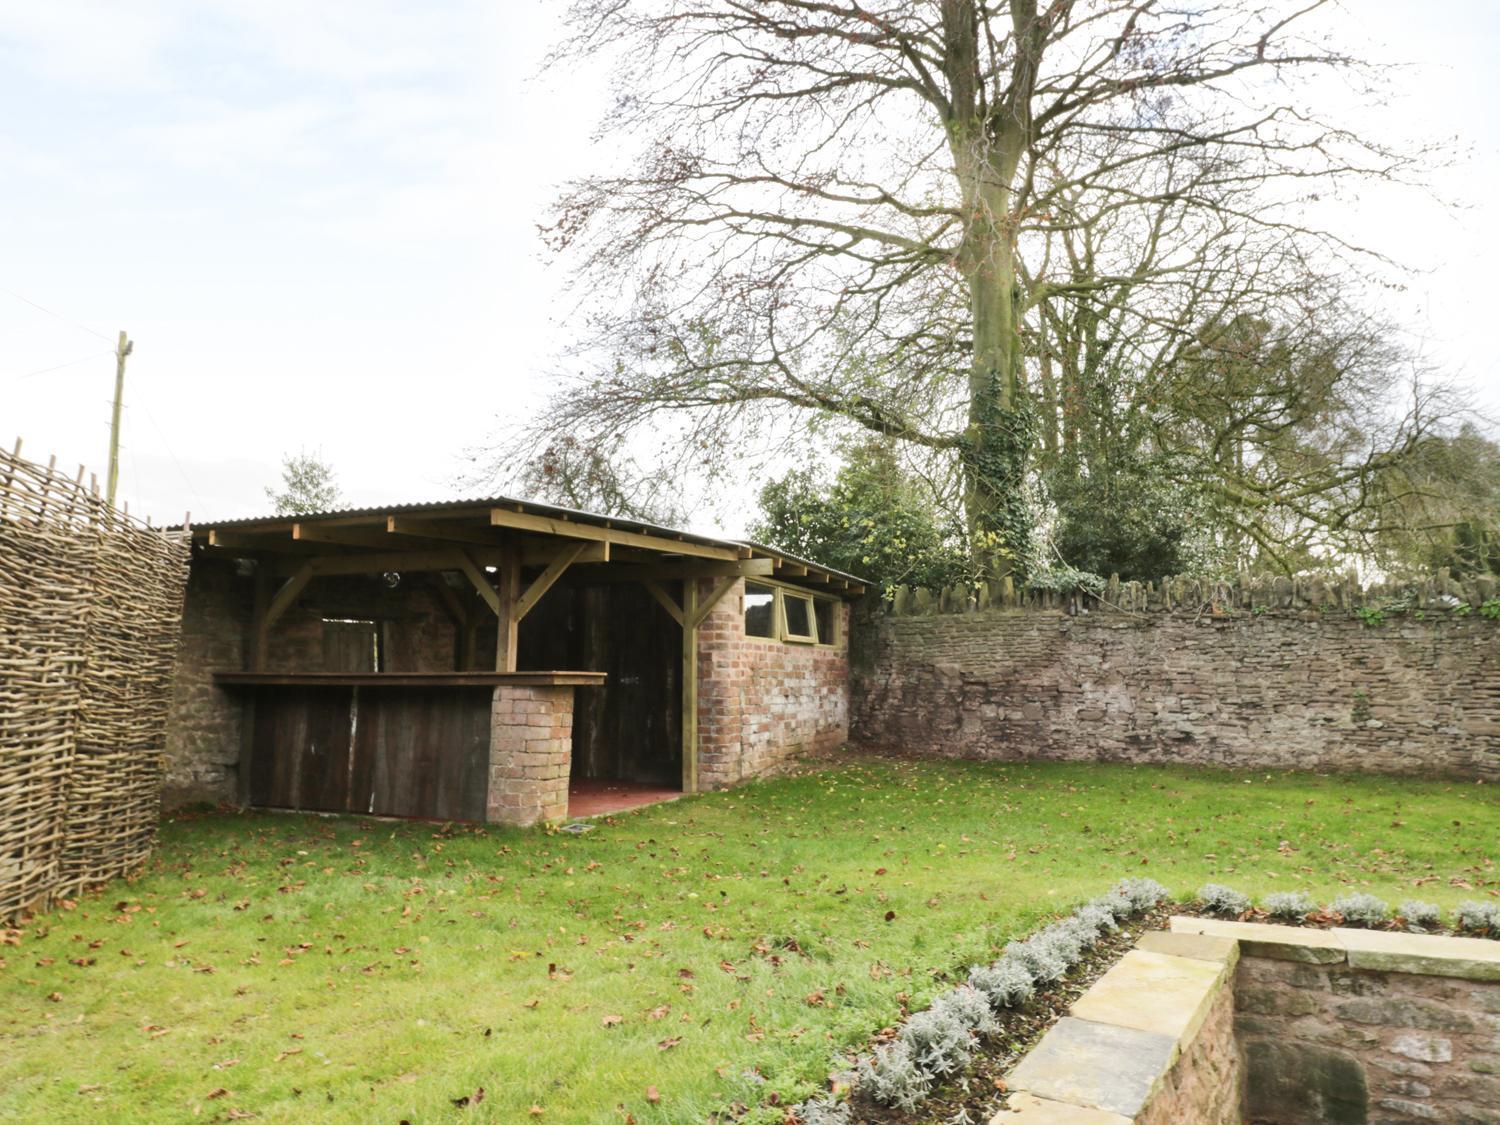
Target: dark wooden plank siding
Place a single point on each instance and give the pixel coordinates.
(421, 752)
(629, 729)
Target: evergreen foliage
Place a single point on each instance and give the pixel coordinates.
(872, 519)
(307, 485)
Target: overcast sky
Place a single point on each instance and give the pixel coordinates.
(318, 222)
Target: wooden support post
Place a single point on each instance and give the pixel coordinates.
(689, 686)
(508, 598)
(122, 349)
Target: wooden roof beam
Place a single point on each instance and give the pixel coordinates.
(343, 536)
(667, 571)
(571, 529)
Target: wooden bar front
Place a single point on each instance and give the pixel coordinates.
(387, 744)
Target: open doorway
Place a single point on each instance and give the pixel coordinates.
(627, 734)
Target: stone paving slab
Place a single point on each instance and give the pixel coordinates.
(1153, 992)
(1261, 939)
(1422, 954)
(1203, 947)
(1027, 1109)
(1096, 1065)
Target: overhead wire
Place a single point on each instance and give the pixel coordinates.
(56, 367)
(49, 312)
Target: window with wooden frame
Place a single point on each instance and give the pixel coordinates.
(797, 621)
(790, 614)
(826, 612)
(760, 610)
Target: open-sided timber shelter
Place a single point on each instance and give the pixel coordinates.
(476, 660)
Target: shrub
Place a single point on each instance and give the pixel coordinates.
(1141, 894)
(890, 1076)
(1481, 918)
(816, 1111)
(1289, 904)
(1419, 915)
(1005, 984)
(1039, 958)
(1360, 909)
(1223, 900)
(940, 1044)
(1069, 938)
(1095, 918)
(969, 1007)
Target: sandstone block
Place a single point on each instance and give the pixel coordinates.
(1095, 1065)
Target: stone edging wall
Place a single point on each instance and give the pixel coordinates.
(1354, 1025)
(1283, 689)
(1152, 1041)
(1217, 1020)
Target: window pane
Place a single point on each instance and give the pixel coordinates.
(798, 610)
(759, 602)
(824, 610)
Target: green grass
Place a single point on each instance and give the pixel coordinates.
(352, 969)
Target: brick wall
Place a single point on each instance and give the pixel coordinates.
(1304, 689)
(761, 701)
(531, 749)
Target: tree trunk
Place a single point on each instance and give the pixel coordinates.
(987, 143)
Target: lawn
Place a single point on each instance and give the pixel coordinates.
(667, 964)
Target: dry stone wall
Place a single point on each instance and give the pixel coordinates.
(1201, 675)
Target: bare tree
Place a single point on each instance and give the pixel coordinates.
(600, 479)
(842, 208)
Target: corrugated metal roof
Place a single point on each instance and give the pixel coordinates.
(530, 507)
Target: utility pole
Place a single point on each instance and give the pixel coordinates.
(122, 349)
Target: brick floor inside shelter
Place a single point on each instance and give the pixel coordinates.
(596, 797)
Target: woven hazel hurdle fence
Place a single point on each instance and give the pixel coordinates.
(90, 610)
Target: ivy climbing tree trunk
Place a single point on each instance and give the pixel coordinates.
(987, 142)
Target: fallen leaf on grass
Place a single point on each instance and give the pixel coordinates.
(610, 1021)
(668, 1044)
(470, 1099)
(652, 1095)
(217, 1092)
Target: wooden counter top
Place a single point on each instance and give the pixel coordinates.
(411, 679)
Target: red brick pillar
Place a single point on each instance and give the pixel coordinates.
(531, 754)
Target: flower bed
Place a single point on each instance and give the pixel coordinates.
(947, 1063)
